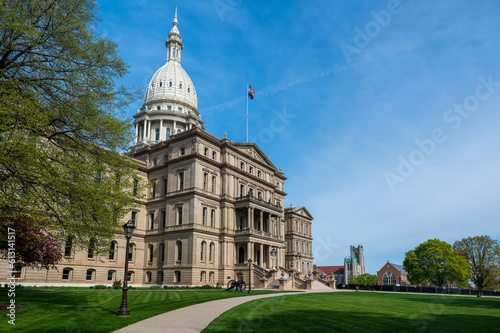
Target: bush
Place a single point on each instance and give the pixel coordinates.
(206, 287)
(155, 287)
(99, 286)
(117, 284)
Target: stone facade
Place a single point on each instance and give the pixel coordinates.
(212, 204)
(298, 238)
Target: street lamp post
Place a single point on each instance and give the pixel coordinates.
(249, 276)
(129, 230)
(274, 253)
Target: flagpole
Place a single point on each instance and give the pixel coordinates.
(247, 112)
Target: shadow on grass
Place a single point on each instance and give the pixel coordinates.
(341, 321)
(458, 301)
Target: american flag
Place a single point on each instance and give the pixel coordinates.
(251, 92)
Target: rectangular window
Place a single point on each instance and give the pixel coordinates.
(169, 108)
(205, 180)
(132, 219)
(89, 275)
(212, 218)
(110, 275)
(206, 151)
(181, 180)
(163, 219)
(164, 187)
(213, 184)
(129, 276)
(153, 191)
(151, 221)
(214, 155)
(183, 151)
(65, 274)
(179, 215)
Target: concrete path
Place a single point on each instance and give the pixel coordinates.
(195, 318)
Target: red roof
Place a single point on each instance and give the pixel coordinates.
(331, 269)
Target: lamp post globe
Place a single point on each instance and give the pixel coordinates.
(128, 229)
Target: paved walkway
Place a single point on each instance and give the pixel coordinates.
(195, 318)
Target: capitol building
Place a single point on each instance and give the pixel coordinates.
(212, 204)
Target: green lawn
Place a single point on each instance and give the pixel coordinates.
(362, 312)
(85, 310)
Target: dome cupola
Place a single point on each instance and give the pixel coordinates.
(170, 103)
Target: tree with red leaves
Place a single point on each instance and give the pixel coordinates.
(34, 243)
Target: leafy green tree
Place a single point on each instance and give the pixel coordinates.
(434, 262)
(364, 279)
(62, 127)
(483, 254)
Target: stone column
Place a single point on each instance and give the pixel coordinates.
(136, 131)
(261, 219)
(249, 219)
(261, 249)
(175, 127)
(148, 134)
(161, 130)
(145, 129)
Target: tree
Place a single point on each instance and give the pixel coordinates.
(434, 262)
(61, 128)
(483, 255)
(33, 243)
(365, 279)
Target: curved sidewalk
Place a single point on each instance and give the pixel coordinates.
(195, 318)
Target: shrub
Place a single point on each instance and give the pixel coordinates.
(100, 286)
(117, 284)
(155, 287)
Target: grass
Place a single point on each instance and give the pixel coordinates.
(362, 312)
(90, 310)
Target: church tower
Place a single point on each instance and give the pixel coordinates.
(170, 103)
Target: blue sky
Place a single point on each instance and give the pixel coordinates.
(383, 115)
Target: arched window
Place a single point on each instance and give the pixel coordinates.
(150, 248)
(211, 277)
(130, 276)
(90, 274)
(112, 251)
(203, 250)
(179, 250)
(69, 246)
(203, 277)
(389, 279)
(111, 275)
(211, 254)
(162, 252)
(148, 277)
(178, 131)
(159, 277)
(91, 249)
(177, 275)
(67, 274)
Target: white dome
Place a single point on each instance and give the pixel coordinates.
(171, 83)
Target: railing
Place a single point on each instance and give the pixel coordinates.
(250, 231)
(250, 198)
